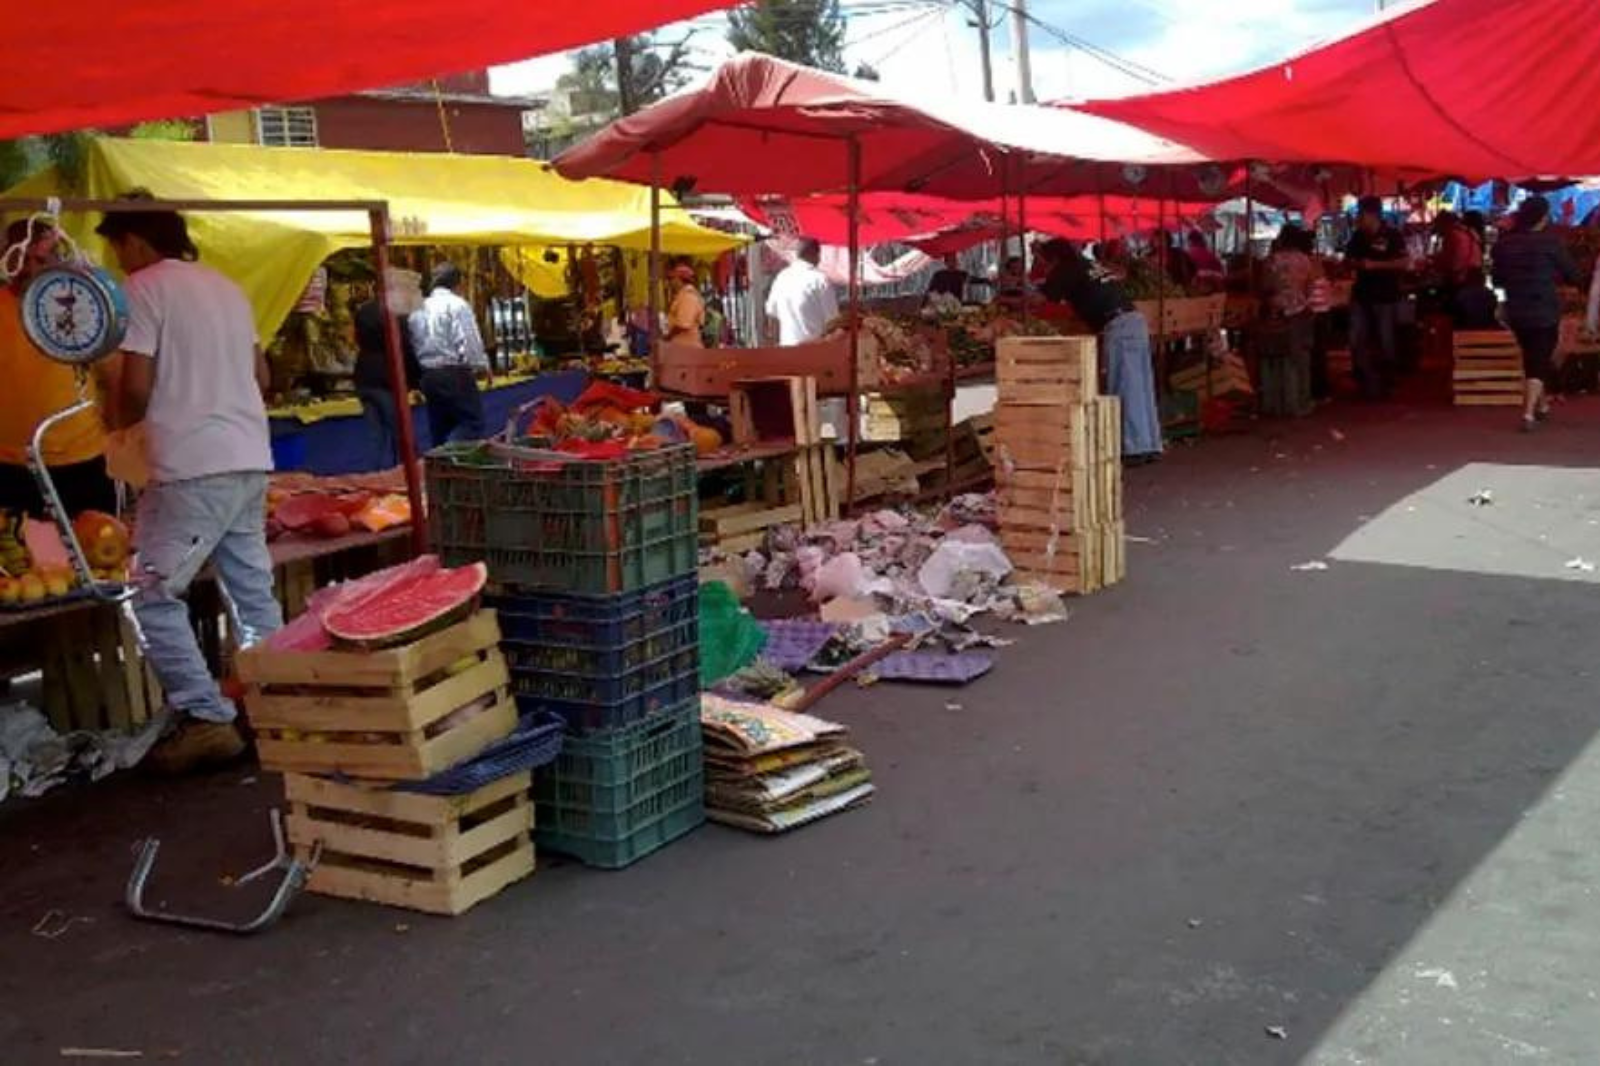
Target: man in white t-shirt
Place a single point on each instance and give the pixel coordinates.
(192, 373)
(801, 299)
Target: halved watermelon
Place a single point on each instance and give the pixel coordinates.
(401, 610)
(306, 632)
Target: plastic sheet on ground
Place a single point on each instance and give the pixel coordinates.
(34, 758)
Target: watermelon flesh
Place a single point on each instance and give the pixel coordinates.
(303, 510)
(405, 607)
(306, 633)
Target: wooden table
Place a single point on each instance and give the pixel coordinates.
(94, 675)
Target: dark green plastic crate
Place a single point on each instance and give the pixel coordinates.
(610, 799)
(583, 527)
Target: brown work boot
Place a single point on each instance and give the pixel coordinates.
(196, 745)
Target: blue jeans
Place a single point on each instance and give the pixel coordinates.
(182, 525)
(1372, 346)
(1131, 377)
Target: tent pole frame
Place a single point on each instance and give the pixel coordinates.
(377, 212)
(653, 298)
(853, 290)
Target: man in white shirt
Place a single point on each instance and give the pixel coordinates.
(450, 350)
(801, 299)
(191, 371)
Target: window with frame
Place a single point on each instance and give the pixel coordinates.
(287, 127)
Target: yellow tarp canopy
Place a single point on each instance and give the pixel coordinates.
(433, 199)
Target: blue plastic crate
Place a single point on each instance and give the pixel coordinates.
(591, 702)
(597, 621)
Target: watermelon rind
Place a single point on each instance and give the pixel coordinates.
(344, 620)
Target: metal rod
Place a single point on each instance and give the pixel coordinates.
(1022, 233)
(393, 351)
(67, 203)
(653, 301)
(853, 400)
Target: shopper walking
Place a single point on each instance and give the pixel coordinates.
(192, 372)
(1528, 261)
(451, 353)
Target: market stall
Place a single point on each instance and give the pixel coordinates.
(510, 223)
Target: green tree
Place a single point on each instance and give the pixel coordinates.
(654, 69)
(810, 32)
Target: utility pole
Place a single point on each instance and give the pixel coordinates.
(623, 46)
(980, 9)
(1019, 48)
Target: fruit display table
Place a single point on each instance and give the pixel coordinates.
(93, 675)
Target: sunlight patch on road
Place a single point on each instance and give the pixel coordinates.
(1491, 518)
(1504, 971)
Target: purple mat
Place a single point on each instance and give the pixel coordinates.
(934, 667)
(793, 642)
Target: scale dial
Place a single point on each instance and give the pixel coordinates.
(74, 314)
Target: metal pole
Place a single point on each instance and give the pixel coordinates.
(853, 400)
(379, 218)
(653, 298)
(1019, 49)
(1022, 233)
(980, 8)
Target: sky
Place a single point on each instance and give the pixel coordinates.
(929, 46)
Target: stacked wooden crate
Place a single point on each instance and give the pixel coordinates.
(345, 726)
(1487, 369)
(792, 475)
(1058, 464)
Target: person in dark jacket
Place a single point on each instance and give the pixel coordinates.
(1528, 261)
(372, 379)
(1378, 252)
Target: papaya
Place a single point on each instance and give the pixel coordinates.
(104, 540)
(706, 440)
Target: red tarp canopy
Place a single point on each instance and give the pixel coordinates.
(764, 126)
(72, 65)
(1469, 88)
(939, 226)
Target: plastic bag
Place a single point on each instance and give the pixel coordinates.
(730, 639)
(955, 557)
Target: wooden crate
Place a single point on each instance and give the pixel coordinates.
(440, 854)
(711, 372)
(1041, 438)
(1487, 369)
(769, 409)
(889, 419)
(1046, 371)
(382, 715)
(1072, 498)
(1079, 563)
(803, 488)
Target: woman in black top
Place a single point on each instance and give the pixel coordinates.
(372, 381)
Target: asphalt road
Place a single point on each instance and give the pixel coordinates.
(1230, 812)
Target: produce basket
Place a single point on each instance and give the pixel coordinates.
(611, 799)
(543, 519)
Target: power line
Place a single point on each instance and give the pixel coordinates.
(1111, 59)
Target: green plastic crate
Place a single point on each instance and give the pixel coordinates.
(585, 527)
(610, 799)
